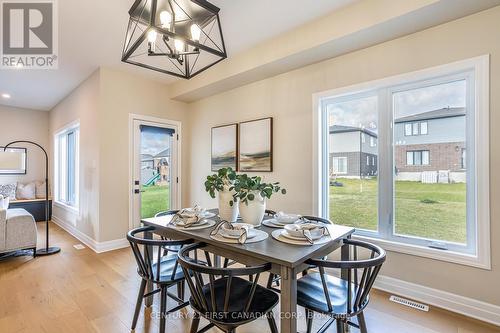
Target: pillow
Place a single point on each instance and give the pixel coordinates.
(40, 190)
(4, 202)
(8, 191)
(26, 191)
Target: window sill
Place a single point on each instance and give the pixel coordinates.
(70, 209)
(426, 252)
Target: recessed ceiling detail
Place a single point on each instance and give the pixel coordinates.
(177, 37)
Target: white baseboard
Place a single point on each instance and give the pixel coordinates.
(469, 307)
(98, 247)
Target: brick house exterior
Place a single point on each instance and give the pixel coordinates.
(431, 142)
(443, 156)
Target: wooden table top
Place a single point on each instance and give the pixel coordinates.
(269, 250)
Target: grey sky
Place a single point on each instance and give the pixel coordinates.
(154, 140)
(363, 111)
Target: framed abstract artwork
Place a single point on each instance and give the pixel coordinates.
(225, 147)
(256, 145)
(22, 169)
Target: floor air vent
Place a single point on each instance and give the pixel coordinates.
(408, 303)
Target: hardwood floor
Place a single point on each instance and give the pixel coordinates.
(81, 291)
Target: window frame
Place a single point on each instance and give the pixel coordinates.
(426, 127)
(61, 148)
(415, 153)
(344, 158)
(477, 145)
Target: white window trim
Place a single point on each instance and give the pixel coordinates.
(72, 209)
(481, 67)
(346, 166)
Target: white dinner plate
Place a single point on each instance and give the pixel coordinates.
(272, 223)
(287, 235)
(197, 224)
(259, 236)
(251, 234)
(278, 235)
(210, 223)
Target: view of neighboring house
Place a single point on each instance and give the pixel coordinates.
(430, 146)
(353, 152)
(155, 169)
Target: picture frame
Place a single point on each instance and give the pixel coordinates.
(19, 171)
(256, 145)
(224, 147)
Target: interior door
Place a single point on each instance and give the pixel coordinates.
(155, 180)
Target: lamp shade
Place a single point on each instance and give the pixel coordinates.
(10, 161)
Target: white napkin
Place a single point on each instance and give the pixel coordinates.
(188, 217)
(305, 228)
(228, 225)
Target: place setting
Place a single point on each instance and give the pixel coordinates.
(297, 230)
(280, 220)
(194, 218)
(237, 233)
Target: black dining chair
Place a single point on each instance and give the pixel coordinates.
(156, 265)
(341, 299)
(274, 278)
(166, 213)
(222, 296)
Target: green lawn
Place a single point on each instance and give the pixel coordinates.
(154, 199)
(435, 211)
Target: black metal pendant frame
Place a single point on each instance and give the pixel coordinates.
(144, 17)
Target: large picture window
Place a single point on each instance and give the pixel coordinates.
(66, 166)
(422, 192)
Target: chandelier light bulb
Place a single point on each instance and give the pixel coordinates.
(165, 19)
(179, 45)
(195, 32)
(152, 36)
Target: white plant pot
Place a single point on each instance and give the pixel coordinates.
(253, 213)
(226, 211)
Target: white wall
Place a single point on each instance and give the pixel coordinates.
(22, 124)
(288, 98)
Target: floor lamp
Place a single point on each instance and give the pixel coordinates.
(47, 250)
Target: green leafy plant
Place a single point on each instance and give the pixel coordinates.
(245, 188)
(220, 181)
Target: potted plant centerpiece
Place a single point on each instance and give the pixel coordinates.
(222, 182)
(252, 194)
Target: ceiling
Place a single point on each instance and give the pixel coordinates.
(91, 34)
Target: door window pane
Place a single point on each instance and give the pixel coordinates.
(430, 189)
(353, 184)
(155, 169)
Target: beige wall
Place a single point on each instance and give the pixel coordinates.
(82, 105)
(123, 94)
(22, 124)
(288, 98)
(102, 104)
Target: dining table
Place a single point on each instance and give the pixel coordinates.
(286, 260)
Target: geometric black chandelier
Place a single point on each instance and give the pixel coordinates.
(176, 37)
